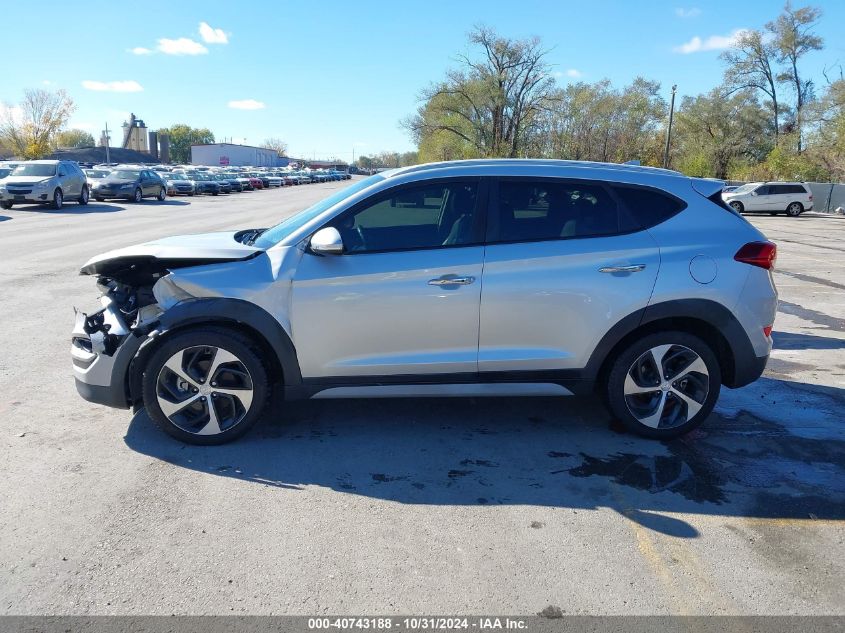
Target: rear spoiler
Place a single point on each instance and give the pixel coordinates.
(707, 186)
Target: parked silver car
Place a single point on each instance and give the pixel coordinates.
(488, 277)
(44, 182)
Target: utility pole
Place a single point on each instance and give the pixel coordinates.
(669, 129)
(108, 142)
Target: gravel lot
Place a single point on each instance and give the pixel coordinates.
(412, 506)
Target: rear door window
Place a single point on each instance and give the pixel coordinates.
(546, 209)
(648, 207)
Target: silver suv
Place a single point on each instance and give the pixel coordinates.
(44, 182)
(487, 277)
(792, 198)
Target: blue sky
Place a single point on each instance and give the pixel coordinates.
(332, 77)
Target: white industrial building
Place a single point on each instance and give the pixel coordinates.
(238, 155)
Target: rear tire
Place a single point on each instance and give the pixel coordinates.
(162, 194)
(139, 196)
(5, 205)
(672, 402)
(794, 209)
(206, 416)
(100, 199)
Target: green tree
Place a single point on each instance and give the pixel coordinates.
(721, 130)
(597, 122)
(72, 139)
(793, 37)
(29, 128)
(182, 136)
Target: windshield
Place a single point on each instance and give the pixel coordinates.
(125, 174)
(746, 188)
(35, 169)
(5, 171)
(286, 227)
(96, 173)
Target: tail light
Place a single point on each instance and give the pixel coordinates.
(811, 196)
(767, 331)
(761, 254)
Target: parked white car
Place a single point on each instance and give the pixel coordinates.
(792, 198)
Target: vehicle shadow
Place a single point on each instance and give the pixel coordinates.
(71, 208)
(533, 451)
(3, 218)
(170, 202)
(796, 341)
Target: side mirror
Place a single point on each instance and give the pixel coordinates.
(327, 241)
(754, 193)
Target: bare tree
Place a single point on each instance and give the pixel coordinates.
(751, 65)
(277, 144)
(29, 128)
(492, 101)
(794, 38)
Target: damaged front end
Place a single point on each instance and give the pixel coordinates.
(104, 343)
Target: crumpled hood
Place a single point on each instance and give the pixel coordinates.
(161, 255)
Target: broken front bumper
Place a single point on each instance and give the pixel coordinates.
(102, 349)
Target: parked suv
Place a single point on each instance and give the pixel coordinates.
(44, 182)
(792, 198)
(488, 277)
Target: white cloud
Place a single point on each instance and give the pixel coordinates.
(112, 86)
(47, 82)
(182, 46)
(712, 43)
(140, 50)
(692, 12)
(247, 104)
(211, 35)
(572, 73)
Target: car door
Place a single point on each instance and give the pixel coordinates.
(759, 199)
(66, 181)
(148, 183)
(563, 264)
(403, 298)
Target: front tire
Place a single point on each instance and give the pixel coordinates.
(736, 205)
(206, 386)
(84, 196)
(5, 205)
(664, 385)
(138, 196)
(794, 209)
(58, 199)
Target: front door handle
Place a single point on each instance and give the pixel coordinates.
(451, 280)
(633, 268)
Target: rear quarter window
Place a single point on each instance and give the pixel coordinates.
(648, 207)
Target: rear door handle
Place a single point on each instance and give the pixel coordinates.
(633, 268)
(447, 280)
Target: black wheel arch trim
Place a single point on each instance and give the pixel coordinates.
(743, 365)
(220, 311)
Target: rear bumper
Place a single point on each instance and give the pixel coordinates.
(747, 369)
